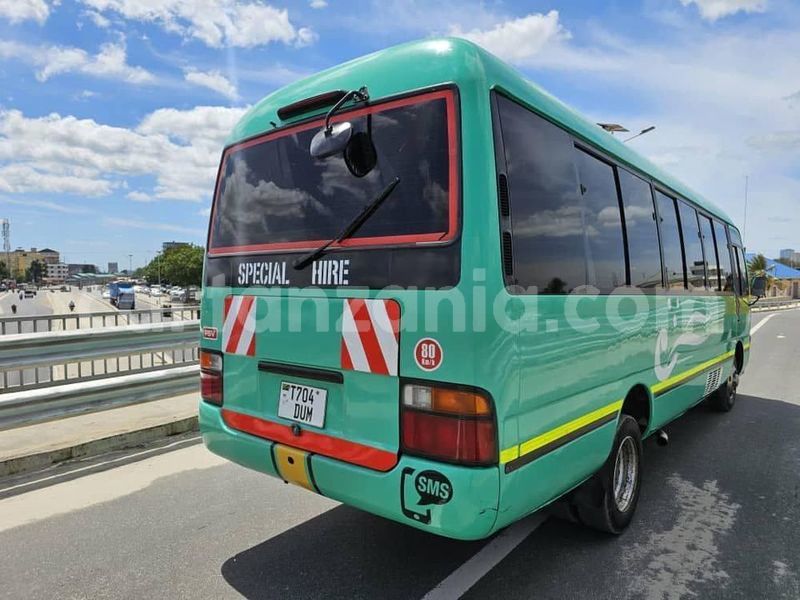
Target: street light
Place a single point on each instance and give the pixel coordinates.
(613, 128)
(642, 132)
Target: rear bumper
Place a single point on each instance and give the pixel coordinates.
(461, 502)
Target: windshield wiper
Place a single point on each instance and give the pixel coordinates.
(351, 228)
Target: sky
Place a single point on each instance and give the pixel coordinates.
(113, 113)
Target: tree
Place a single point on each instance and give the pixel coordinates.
(35, 272)
(182, 265)
(758, 265)
(4, 273)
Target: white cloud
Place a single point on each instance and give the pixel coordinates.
(17, 11)
(213, 80)
(110, 62)
(305, 37)
(318, 3)
(518, 40)
(711, 10)
(98, 19)
(779, 141)
(722, 112)
(151, 225)
(137, 196)
(216, 23)
(46, 204)
(180, 150)
(36, 177)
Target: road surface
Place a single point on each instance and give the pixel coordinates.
(718, 518)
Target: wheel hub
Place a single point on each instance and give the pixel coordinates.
(626, 473)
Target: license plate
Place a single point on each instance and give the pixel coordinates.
(303, 403)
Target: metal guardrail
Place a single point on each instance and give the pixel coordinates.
(32, 361)
(94, 320)
(766, 304)
(32, 406)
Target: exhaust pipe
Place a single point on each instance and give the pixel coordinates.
(662, 439)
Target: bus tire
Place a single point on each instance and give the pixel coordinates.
(724, 398)
(608, 500)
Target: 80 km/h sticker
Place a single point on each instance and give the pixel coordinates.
(428, 354)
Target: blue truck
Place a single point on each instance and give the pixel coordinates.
(122, 295)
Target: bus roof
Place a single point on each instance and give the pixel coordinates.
(421, 64)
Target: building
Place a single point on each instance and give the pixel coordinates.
(73, 268)
(170, 245)
(57, 272)
(22, 259)
(789, 254)
(113, 267)
(786, 280)
(50, 257)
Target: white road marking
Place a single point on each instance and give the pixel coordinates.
(761, 323)
(464, 577)
(96, 488)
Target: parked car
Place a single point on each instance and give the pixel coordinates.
(155, 291)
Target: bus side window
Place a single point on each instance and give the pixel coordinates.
(712, 263)
(741, 262)
(602, 223)
(693, 247)
(724, 255)
(640, 225)
(671, 242)
(547, 235)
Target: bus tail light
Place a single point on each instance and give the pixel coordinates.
(211, 377)
(453, 425)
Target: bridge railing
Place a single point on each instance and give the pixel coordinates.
(93, 320)
(36, 360)
(45, 375)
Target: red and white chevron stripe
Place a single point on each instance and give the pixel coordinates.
(239, 325)
(370, 335)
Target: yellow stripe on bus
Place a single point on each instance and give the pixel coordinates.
(548, 437)
(509, 454)
(554, 434)
(680, 377)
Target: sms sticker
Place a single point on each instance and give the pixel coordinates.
(426, 489)
(433, 488)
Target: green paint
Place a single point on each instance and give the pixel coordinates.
(540, 371)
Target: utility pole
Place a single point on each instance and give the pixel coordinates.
(744, 223)
(130, 265)
(6, 232)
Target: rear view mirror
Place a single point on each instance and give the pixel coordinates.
(331, 140)
(758, 286)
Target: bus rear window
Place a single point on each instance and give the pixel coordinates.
(274, 196)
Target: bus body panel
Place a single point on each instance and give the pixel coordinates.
(470, 513)
(549, 363)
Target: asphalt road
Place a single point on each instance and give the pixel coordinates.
(719, 517)
(36, 306)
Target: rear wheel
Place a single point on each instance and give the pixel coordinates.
(724, 398)
(608, 500)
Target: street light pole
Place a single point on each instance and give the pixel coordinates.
(642, 132)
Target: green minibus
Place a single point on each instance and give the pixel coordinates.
(434, 292)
